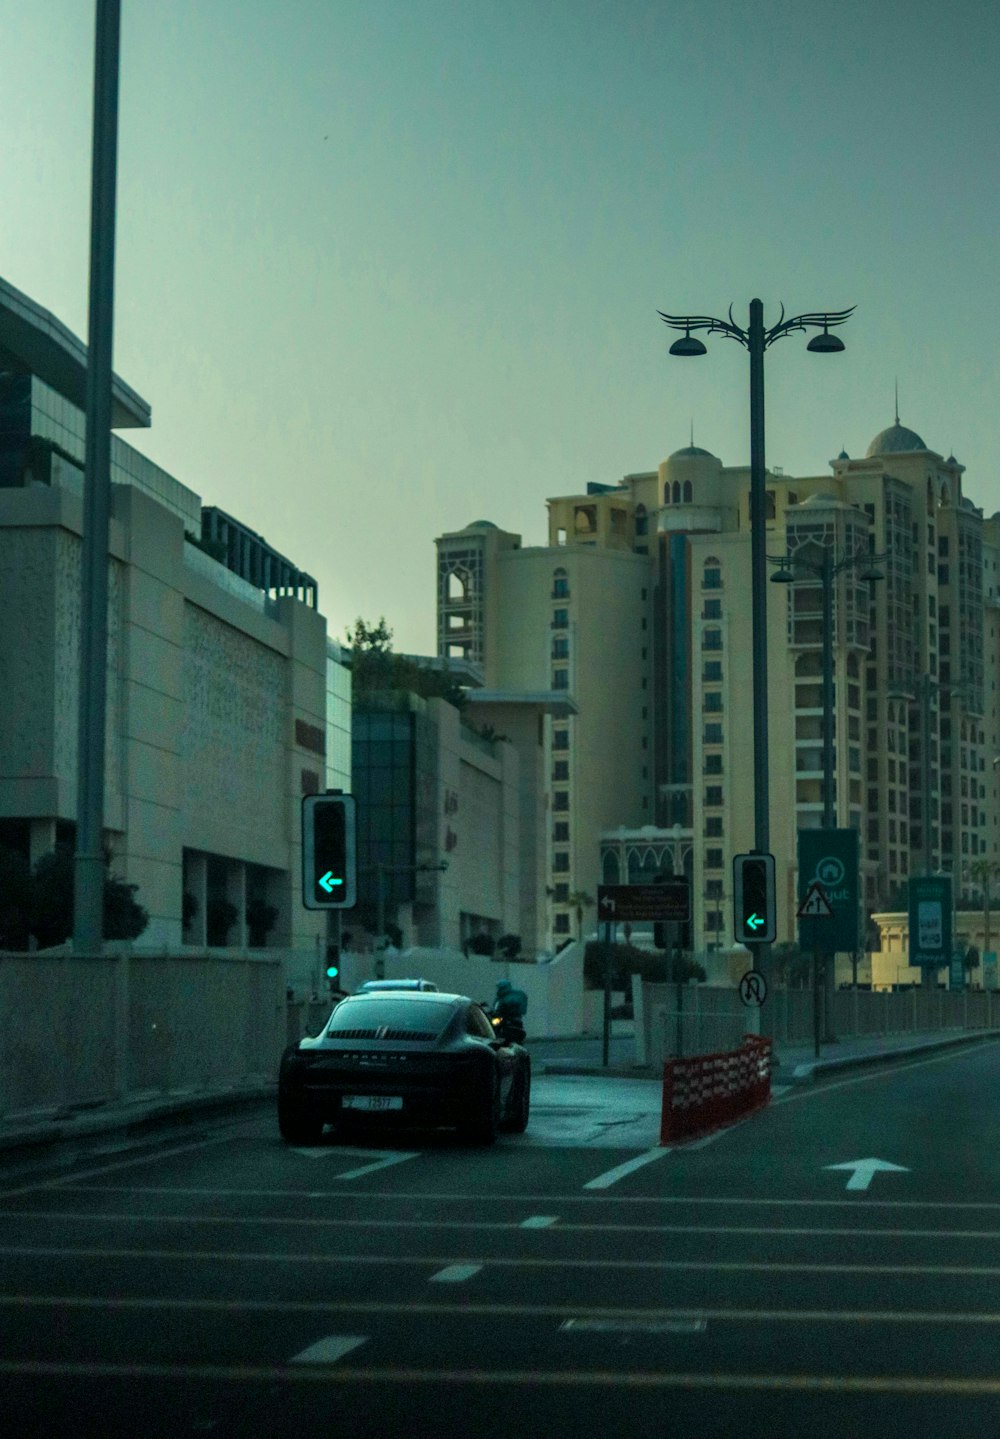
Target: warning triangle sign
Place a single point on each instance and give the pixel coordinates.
(815, 903)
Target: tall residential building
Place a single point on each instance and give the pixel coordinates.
(639, 610)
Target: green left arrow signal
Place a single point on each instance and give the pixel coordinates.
(754, 921)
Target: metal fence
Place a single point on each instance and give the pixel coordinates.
(711, 1019)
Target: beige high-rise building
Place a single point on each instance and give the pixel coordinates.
(639, 611)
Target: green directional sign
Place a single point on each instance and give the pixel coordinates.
(829, 857)
(930, 919)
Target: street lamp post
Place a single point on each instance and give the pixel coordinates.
(756, 339)
(826, 571)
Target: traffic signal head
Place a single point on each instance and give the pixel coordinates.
(753, 898)
(329, 866)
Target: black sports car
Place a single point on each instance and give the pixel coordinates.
(406, 1058)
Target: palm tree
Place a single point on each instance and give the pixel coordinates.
(580, 901)
(984, 870)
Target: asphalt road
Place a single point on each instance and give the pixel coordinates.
(220, 1283)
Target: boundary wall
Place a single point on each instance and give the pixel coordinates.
(82, 1031)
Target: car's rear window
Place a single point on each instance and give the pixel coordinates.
(394, 1011)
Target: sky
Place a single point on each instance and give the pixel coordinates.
(386, 267)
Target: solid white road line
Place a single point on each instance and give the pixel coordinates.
(330, 1349)
(612, 1176)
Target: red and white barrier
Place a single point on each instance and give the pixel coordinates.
(709, 1091)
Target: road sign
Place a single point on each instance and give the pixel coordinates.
(815, 903)
(829, 858)
(670, 899)
(329, 863)
(753, 898)
(930, 919)
(753, 987)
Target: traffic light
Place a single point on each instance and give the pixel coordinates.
(753, 898)
(329, 864)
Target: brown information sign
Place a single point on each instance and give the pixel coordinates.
(618, 903)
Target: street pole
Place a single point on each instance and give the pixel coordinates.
(758, 589)
(928, 974)
(607, 992)
(379, 920)
(88, 859)
(829, 808)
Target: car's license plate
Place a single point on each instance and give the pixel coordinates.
(372, 1101)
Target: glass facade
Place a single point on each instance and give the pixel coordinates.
(338, 720)
(29, 408)
(394, 777)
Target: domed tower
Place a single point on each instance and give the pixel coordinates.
(691, 476)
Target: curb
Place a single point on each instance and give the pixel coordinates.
(806, 1073)
(135, 1120)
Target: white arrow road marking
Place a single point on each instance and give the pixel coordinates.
(612, 1176)
(864, 1169)
(385, 1158)
(455, 1273)
(330, 1349)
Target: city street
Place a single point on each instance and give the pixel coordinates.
(763, 1280)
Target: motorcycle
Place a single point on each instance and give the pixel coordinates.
(509, 1026)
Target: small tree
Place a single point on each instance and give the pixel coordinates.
(51, 901)
(260, 918)
(220, 916)
(509, 946)
(482, 944)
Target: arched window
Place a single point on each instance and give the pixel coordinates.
(687, 492)
(712, 574)
(458, 584)
(560, 585)
(677, 492)
(641, 520)
(611, 868)
(930, 495)
(944, 493)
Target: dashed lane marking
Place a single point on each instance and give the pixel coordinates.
(538, 1221)
(455, 1273)
(330, 1349)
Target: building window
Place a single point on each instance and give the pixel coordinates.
(641, 521)
(712, 670)
(713, 795)
(560, 800)
(560, 679)
(713, 701)
(560, 648)
(713, 734)
(560, 739)
(713, 859)
(560, 619)
(560, 770)
(560, 585)
(712, 610)
(711, 575)
(560, 862)
(711, 640)
(561, 895)
(713, 826)
(560, 831)
(562, 924)
(713, 764)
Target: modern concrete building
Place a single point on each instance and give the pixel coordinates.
(226, 700)
(638, 610)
